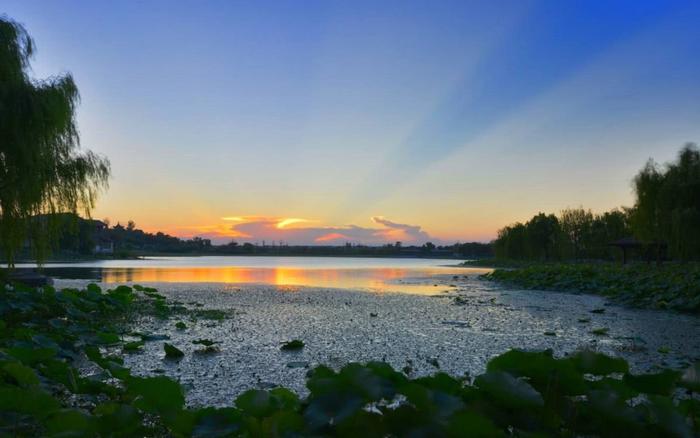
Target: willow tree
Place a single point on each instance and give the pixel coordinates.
(667, 207)
(43, 171)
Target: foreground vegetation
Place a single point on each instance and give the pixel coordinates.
(47, 336)
(670, 286)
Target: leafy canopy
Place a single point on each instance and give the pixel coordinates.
(667, 207)
(42, 169)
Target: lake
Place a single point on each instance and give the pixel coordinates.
(437, 322)
(374, 274)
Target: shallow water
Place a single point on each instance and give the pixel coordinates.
(373, 274)
(426, 333)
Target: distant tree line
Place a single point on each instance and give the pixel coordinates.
(80, 238)
(574, 233)
(664, 221)
(398, 249)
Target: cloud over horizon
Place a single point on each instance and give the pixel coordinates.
(299, 231)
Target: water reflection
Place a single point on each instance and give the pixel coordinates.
(410, 280)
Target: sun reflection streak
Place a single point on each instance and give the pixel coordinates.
(374, 279)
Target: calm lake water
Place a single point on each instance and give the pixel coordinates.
(377, 274)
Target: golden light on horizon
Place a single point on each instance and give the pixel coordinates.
(299, 230)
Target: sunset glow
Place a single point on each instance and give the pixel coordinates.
(331, 236)
(284, 222)
(298, 231)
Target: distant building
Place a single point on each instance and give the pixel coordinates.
(105, 247)
(103, 244)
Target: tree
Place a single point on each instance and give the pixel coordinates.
(667, 207)
(131, 225)
(542, 232)
(42, 169)
(646, 219)
(576, 227)
(512, 242)
(605, 229)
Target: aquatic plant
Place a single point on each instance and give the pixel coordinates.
(172, 351)
(671, 286)
(292, 345)
(45, 333)
(601, 331)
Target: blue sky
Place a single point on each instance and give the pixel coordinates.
(453, 118)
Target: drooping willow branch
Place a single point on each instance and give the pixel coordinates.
(43, 171)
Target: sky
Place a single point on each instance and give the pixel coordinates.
(370, 122)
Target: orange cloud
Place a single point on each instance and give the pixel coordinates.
(331, 236)
(292, 220)
(299, 231)
(219, 232)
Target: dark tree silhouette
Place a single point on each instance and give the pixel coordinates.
(667, 208)
(42, 170)
(543, 231)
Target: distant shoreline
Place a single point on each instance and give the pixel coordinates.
(142, 256)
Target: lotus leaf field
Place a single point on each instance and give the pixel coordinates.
(673, 286)
(62, 374)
